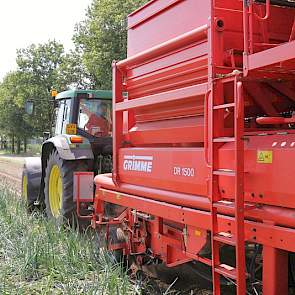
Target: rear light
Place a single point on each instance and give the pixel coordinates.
(76, 139)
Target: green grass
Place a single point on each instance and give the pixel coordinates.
(4, 152)
(32, 150)
(38, 258)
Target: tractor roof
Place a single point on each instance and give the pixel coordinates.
(105, 94)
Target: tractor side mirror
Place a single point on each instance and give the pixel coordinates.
(29, 107)
(46, 135)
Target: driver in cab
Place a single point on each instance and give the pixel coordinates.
(97, 124)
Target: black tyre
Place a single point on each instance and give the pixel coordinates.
(31, 178)
(292, 269)
(58, 189)
(26, 195)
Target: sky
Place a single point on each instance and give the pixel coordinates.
(23, 22)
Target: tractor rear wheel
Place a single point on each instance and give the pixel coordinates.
(58, 190)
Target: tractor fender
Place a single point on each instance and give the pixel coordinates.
(33, 171)
(67, 150)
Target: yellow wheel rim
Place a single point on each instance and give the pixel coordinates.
(25, 187)
(55, 191)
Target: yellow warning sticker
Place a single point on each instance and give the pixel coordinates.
(71, 129)
(264, 157)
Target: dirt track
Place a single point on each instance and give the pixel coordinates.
(11, 170)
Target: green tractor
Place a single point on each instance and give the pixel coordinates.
(82, 141)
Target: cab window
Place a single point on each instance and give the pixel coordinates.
(66, 116)
(62, 116)
(95, 117)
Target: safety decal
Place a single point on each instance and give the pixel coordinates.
(264, 157)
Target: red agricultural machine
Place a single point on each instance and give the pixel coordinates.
(204, 142)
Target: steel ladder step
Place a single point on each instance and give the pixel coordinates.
(225, 238)
(225, 204)
(224, 172)
(224, 106)
(227, 271)
(224, 139)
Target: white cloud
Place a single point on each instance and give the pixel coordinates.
(36, 21)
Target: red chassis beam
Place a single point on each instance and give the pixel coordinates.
(281, 54)
(277, 215)
(257, 232)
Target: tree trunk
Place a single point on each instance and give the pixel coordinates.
(12, 144)
(25, 144)
(18, 145)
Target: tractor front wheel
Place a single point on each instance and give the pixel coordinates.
(58, 190)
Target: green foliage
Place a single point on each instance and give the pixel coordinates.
(102, 37)
(13, 120)
(72, 72)
(38, 258)
(41, 63)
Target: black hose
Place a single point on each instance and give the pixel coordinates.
(252, 265)
(287, 3)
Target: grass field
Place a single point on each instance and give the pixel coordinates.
(38, 258)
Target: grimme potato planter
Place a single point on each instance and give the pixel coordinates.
(204, 142)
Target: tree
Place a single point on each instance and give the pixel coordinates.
(13, 120)
(73, 73)
(42, 66)
(102, 37)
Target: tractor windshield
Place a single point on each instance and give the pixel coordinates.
(95, 117)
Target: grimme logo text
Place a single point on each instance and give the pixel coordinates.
(138, 163)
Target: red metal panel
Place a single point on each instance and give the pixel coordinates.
(83, 186)
(147, 11)
(268, 183)
(257, 189)
(198, 34)
(183, 168)
(169, 21)
(164, 97)
(178, 131)
(195, 54)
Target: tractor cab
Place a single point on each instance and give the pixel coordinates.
(89, 110)
(85, 116)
